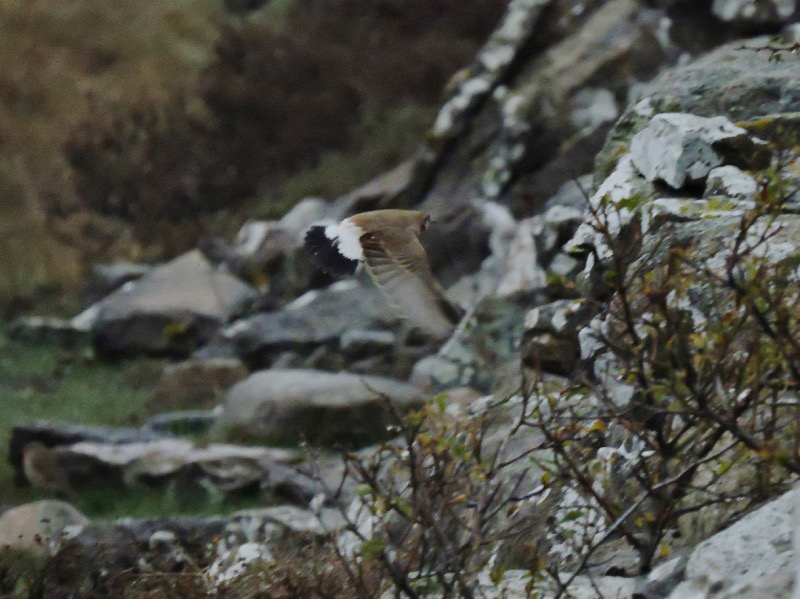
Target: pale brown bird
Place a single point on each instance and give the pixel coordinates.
(386, 242)
(43, 470)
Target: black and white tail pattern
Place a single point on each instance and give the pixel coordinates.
(327, 254)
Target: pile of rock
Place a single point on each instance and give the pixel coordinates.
(280, 356)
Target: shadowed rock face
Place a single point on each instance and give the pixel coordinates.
(288, 406)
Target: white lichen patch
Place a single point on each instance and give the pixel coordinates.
(232, 562)
(458, 104)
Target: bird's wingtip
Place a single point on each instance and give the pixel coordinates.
(326, 254)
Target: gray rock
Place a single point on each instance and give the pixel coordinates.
(753, 558)
(514, 138)
(172, 310)
(226, 467)
(294, 521)
(613, 203)
(754, 11)
(360, 343)
(288, 406)
(40, 527)
(550, 340)
(318, 317)
(251, 534)
(483, 351)
(195, 384)
(735, 80)
(681, 149)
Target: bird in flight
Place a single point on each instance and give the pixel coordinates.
(386, 242)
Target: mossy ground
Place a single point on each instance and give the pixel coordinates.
(46, 382)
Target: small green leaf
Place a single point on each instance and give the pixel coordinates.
(371, 548)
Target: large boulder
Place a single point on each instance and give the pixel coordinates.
(736, 80)
(172, 310)
(289, 406)
(755, 558)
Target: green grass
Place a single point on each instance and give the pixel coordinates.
(46, 382)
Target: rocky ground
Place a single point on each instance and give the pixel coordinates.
(587, 140)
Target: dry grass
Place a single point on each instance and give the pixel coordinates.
(59, 58)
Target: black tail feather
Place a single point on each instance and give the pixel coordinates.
(326, 255)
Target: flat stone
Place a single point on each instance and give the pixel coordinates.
(288, 406)
(55, 434)
(228, 467)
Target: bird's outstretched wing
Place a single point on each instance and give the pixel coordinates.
(399, 266)
(326, 252)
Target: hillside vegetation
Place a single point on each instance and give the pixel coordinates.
(129, 130)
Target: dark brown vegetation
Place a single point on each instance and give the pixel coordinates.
(171, 143)
(129, 132)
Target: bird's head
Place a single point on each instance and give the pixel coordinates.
(423, 221)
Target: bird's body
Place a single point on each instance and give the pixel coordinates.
(43, 471)
(386, 242)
